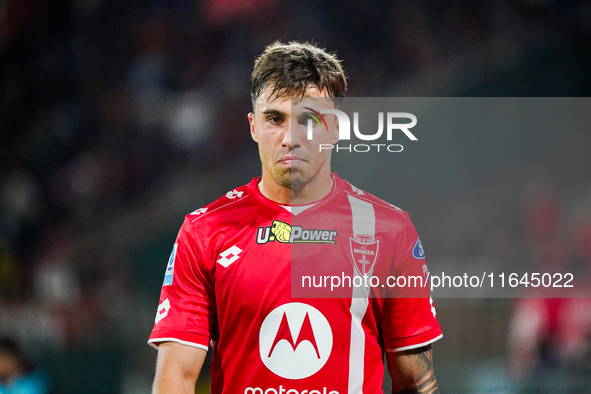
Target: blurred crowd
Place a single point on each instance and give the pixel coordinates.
(109, 110)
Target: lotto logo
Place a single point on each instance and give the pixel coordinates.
(199, 211)
(233, 194)
(162, 310)
(228, 256)
(295, 340)
(433, 311)
(396, 208)
(358, 191)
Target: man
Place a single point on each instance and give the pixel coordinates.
(228, 285)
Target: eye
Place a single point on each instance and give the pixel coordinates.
(275, 119)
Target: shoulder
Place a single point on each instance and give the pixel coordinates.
(384, 207)
(228, 205)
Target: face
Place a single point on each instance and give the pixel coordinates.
(289, 158)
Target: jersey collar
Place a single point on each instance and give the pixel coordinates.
(257, 197)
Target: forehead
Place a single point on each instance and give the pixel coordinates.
(267, 100)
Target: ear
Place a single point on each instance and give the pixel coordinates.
(252, 128)
(335, 132)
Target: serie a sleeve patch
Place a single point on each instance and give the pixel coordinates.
(418, 252)
(169, 274)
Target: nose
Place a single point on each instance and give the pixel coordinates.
(291, 140)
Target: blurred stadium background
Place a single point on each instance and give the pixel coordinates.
(119, 117)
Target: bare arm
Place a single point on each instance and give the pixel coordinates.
(412, 371)
(177, 368)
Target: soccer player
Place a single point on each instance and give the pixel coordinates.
(228, 287)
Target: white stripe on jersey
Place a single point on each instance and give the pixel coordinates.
(364, 223)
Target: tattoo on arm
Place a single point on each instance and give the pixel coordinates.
(423, 375)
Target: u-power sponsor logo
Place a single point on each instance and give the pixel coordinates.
(392, 120)
(285, 233)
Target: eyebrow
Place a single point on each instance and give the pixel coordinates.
(274, 112)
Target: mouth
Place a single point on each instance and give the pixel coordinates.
(291, 160)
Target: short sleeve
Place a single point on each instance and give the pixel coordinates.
(409, 316)
(186, 310)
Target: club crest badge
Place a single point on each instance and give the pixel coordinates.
(364, 251)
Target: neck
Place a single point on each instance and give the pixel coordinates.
(315, 190)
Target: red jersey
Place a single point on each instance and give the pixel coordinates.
(228, 285)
